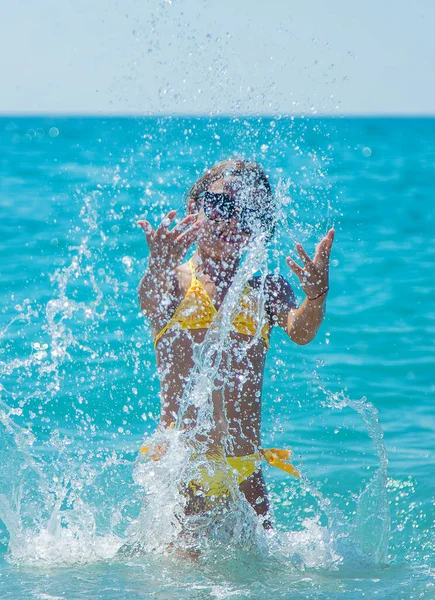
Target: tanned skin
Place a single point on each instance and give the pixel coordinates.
(219, 248)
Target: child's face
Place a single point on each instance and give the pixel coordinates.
(224, 238)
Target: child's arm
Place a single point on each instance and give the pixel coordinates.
(167, 249)
(302, 323)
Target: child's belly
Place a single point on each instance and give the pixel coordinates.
(239, 381)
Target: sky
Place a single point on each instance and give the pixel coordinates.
(217, 57)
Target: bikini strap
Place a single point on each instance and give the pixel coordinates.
(193, 271)
(195, 281)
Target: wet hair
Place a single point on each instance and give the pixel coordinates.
(251, 175)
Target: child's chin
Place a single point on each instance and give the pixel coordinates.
(219, 247)
(222, 244)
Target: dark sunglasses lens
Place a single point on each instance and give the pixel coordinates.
(249, 220)
(218, 207)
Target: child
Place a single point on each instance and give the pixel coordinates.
(228, 205)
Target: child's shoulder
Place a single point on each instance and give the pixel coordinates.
(274, 283)
(279, 292)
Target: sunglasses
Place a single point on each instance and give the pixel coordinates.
(221, 207)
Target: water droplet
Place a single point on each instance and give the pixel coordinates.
(53, 132)
(367, 151)
(127, 261)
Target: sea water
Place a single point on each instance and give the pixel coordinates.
(79, 390)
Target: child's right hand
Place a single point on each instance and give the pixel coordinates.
(168, 248)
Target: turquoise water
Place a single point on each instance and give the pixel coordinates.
(78, 383)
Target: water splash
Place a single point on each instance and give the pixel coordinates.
(234, 522)
(60, 506)
(59, 522)
(370, 530)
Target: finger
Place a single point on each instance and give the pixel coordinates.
(187, 238)
(323, 249)
(330, 239)
(163, 227)
(330, 236)
(148, 230)
(182, 225)
(297, 270)
(304, 256)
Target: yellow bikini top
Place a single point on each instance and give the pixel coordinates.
(197, 311)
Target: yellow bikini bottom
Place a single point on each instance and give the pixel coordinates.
(217, 473)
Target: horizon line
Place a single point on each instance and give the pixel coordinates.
(203, 115)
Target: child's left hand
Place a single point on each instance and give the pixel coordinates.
(314, 277)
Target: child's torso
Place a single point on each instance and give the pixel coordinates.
(240, 375)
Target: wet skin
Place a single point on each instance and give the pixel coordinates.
(237, 399)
